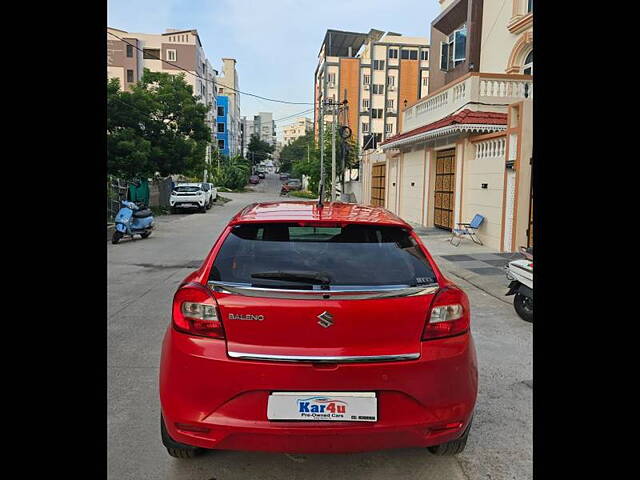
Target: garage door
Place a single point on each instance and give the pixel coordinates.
(445, 185)
(377, 184)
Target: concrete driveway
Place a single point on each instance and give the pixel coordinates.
(142, 277)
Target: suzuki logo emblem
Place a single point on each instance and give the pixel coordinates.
(326, 319)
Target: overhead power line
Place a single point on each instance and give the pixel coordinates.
(206, 79)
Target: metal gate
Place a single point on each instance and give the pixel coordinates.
(445, 185)
(377, 184)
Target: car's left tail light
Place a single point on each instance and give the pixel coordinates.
(196, 312)
(449, 314)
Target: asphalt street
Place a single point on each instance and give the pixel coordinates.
(142, 278)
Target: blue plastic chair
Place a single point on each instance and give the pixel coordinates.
(470, 229)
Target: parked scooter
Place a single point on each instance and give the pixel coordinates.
(520, 272)
(132, 219)
(284, 191)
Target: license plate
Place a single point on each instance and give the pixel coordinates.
(323, 406)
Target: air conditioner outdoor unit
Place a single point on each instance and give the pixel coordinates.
(366, 86)
(391, 88)
(331, 85)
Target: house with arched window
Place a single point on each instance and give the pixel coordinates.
(466, 147)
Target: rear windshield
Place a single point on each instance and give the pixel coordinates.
(185, 188)
(354, 255)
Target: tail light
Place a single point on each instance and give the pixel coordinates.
(195, 312)
(449, 314)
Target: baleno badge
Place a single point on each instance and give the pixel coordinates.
(326, 319)
(259, 318)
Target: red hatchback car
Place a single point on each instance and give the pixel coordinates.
(314, 329)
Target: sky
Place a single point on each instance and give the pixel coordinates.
(275, 42)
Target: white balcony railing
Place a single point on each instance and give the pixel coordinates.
(471, 91)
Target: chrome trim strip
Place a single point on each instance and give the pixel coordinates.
(321, 359)
(367, 293)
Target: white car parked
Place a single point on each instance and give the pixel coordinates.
(212, 191)
(189, 195)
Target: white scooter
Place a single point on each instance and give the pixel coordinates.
(520, 272)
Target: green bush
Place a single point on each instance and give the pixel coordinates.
(233, 173)
(303, 194)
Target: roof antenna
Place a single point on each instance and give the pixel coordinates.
(321, 194)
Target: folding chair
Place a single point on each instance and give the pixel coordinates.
(470, 229)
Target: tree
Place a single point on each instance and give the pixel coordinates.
(157, 127)
(296, 151)
(258, 150)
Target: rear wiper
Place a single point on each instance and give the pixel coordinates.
(315, 278)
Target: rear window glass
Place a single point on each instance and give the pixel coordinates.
(354, 255)
(184, 188)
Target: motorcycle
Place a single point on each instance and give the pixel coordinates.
(132, 219)
(284, 191)
(520, 272)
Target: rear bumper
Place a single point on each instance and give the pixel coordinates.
(421, 402)
(186, 202)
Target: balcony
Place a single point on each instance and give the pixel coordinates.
(488, 92)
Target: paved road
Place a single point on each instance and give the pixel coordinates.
(142, 277)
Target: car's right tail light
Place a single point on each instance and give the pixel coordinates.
(449, 314)
(195, 312)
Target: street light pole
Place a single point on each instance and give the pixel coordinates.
(333, 153)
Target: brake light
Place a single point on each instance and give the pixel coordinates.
(449, 314)
(195, 312)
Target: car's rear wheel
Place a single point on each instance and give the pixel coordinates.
(177, 449)
(117, 236)
(523, 306)
(203, 209)
(453, 447)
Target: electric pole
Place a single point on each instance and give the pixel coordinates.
(333, 152)
(321, 189)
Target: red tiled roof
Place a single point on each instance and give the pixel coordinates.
(465, 116)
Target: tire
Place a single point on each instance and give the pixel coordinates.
(117, 236)
(453, 447)
(145, 234)
(203, 209)
(524, 307)
(177, 449)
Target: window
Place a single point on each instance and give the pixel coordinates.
(409, 54)
(221, 128)
(378, 89)
(221, 111)
(391, 103)
(220, 90)
(388, 128)
(129, 51)
(221, 144)
(331, 78)
(366, 79)
(425, 81)
(376, 113)
(424, 54)
(151, 54)
(393, 53)
(378, 64)
(365, 127)
(171, 55)
(129, 76)
(453, 51)
(528, 64)
(377, 138)
(391, 80)
(529, 6)
(352, 255)
(365, 104)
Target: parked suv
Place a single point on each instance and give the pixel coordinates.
(188, 195)
(315, 330)
(211, 192)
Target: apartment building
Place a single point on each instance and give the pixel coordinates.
(297, 129)
(173, 52)
(265, 127)
(246, 129)
(377, 73)
(466, 148)
(228, 86)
